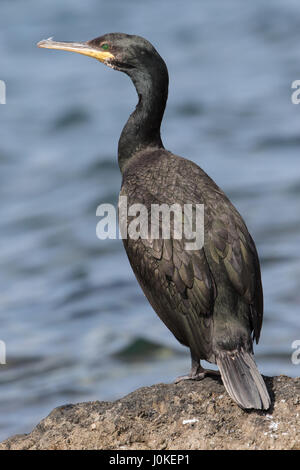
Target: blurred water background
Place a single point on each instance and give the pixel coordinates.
(76, 324)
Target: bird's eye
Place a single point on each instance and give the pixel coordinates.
(105, 46)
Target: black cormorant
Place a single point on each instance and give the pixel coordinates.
(210, 298)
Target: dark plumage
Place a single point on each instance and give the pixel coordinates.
(211, 299)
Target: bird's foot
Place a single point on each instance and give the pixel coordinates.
(198, 374)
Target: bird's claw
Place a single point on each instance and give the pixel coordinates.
(199, 375)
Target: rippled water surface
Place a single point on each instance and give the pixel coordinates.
(76, 324)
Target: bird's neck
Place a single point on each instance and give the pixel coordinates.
(142, 129)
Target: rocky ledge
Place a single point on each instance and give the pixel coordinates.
(188, 415)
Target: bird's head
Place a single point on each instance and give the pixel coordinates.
(120, 51)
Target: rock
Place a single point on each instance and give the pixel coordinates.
(188, 415)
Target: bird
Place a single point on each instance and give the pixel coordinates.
(210, 298)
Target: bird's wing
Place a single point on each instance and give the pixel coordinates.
(230, 245)
(190, 274)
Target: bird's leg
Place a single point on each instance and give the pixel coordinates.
(197, 372)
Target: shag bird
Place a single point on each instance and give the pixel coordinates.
(210, 298)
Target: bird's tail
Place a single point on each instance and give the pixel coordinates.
(242, 380)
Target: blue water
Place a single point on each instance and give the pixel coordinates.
(76, 324)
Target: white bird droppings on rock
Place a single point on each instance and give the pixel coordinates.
(190, 421)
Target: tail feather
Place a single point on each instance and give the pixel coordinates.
(243, 381)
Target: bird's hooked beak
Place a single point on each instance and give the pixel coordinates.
(79, 47)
